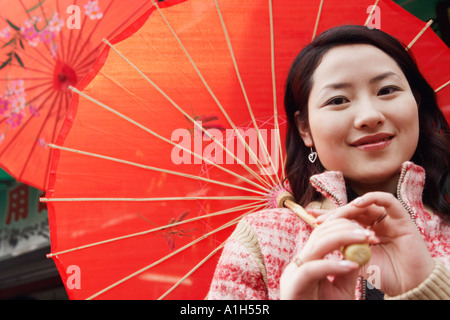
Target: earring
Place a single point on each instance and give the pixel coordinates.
(312, 156)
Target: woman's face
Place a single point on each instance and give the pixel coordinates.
(363, 118)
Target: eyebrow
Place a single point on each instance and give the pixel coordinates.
(383, 76)
(378, 78)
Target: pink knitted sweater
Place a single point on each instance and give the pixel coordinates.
(264, 242)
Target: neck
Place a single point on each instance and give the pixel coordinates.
(389, 186)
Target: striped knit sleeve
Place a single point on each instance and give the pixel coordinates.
(240, 272)
(435, 287)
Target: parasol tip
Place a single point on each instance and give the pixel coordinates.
(278, 194)
(282, 196)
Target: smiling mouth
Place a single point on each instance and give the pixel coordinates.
(373, 143)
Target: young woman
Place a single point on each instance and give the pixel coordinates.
(363, 129)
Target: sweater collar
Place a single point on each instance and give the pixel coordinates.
(331, 185)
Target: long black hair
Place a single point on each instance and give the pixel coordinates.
(433, 150)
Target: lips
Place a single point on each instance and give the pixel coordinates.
(375, 139)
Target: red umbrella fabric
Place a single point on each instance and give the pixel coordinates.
(150, 171)
(45, 47)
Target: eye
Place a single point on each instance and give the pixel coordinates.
(337, 101)
(388, 90)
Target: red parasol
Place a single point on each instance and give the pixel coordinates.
(150, 170)
(45, 47)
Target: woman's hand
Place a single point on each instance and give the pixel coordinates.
(306, 277)
(401, 254)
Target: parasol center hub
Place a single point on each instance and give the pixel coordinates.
(64, 76)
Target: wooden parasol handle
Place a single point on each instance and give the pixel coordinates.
(359, 253)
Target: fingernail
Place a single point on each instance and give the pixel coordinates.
(361, 231)
(357, 201)
(320, 219)
(348, 264)
(374, 240)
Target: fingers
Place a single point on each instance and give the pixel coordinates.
(333, 235)
(308, 274)
(371, 208)
(381, 199)
(365, 214)
(316, 270)
(311, 268)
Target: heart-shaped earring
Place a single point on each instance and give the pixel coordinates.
(312, 156)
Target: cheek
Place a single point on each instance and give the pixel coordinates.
(329, 132)
(407, 122)
(405, 109)
(404, 114)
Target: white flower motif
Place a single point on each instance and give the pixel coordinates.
(16, 88)
(56, 23)
(93, 10)
(5, 33)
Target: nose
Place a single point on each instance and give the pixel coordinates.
(368, 115)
